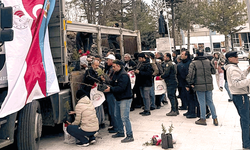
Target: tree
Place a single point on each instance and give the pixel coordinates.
(223, 16)
(186, 17)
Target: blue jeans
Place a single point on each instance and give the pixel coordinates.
(228, 91)
(122, 109)
(241, 103)
(145, 93)
(111, 108)
(205, 97)
(79, 134)
(152, 96)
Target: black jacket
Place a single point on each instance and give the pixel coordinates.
(169, 74)
(129, 65)
(182, 72)
(90, 77)
(121, 85)
(144, 78)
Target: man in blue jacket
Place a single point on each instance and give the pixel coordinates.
(121, 88)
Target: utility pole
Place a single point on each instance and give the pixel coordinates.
(173, 23)
(248, 12)
(121, 14)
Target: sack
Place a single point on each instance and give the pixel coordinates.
(160, 87)
(102, 86)
(68, 139)
(96, 96)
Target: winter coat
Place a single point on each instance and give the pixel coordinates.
(200, 74)
(182, 72)
(86, 115)
(218, 63)
(162, 23)
(121, 85)
(129, 65)
(144, 78)
(237, 79)
(169, 74)
(90, 77)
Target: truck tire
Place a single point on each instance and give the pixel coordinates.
(29, 127)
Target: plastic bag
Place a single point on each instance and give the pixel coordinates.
(68, 139)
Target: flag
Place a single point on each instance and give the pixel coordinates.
(30, 69)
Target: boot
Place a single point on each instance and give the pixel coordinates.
(216, 122)
(172, 113)
(201, 122)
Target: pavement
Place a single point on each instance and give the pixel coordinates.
(188, 135)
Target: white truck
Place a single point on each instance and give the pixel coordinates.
(25, 126)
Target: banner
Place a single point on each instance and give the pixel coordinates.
(30, 69)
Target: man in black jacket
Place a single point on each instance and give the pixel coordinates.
(144, 79)
(169, 76)
(121, 88)
(129, 64)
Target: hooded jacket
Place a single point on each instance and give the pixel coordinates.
(200, 74)
(237, 79)
(86, 115)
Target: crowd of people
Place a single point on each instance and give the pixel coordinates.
(192, 77)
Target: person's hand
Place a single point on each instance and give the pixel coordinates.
(137, 71)
(107, 89)
(68, 123)
(72, 112)
(187, 88)
(192, 86)
(102, 78)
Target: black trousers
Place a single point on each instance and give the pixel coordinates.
(115, 43)
(137, 101)
(171, 89)
(78, 133)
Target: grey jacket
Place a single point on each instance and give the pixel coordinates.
(200, 74)
(237, 79)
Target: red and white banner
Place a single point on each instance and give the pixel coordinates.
(30, 69)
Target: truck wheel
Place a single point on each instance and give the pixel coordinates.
(245, 58)
(29, 127)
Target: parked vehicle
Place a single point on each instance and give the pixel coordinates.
(242, 55)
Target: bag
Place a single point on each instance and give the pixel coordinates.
(102, 86)
(160, 87)
(132, 78)
(68, 139)
(96, 96)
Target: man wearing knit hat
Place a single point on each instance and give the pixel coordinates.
(239, 88)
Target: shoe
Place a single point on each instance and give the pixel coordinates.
(165, 102)
(182, 108)
(177, 112)
(158, 107)
(190, 116)
(208, 115)
(80, 144)
(92, 141)
(216, 122)
(127, 139)
(146, 113)
(230, 100)
(201, 122)
(152, 108)
(112, 131)
(118, 135)
(185, 114)
(172, 113)
(221, 89)
(132, 109)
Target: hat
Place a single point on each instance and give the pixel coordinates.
(83, 60)
(141, 55)
(231, 54)
(110, 56)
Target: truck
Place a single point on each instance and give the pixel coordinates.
(24, 127)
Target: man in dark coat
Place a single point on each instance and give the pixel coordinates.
(169, 76)
(121, 88)
(84, 40)
(112, 39)
(200, 79)
(144, 79)
(129, 64)
(162, 24)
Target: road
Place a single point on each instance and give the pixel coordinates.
(189, 136)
